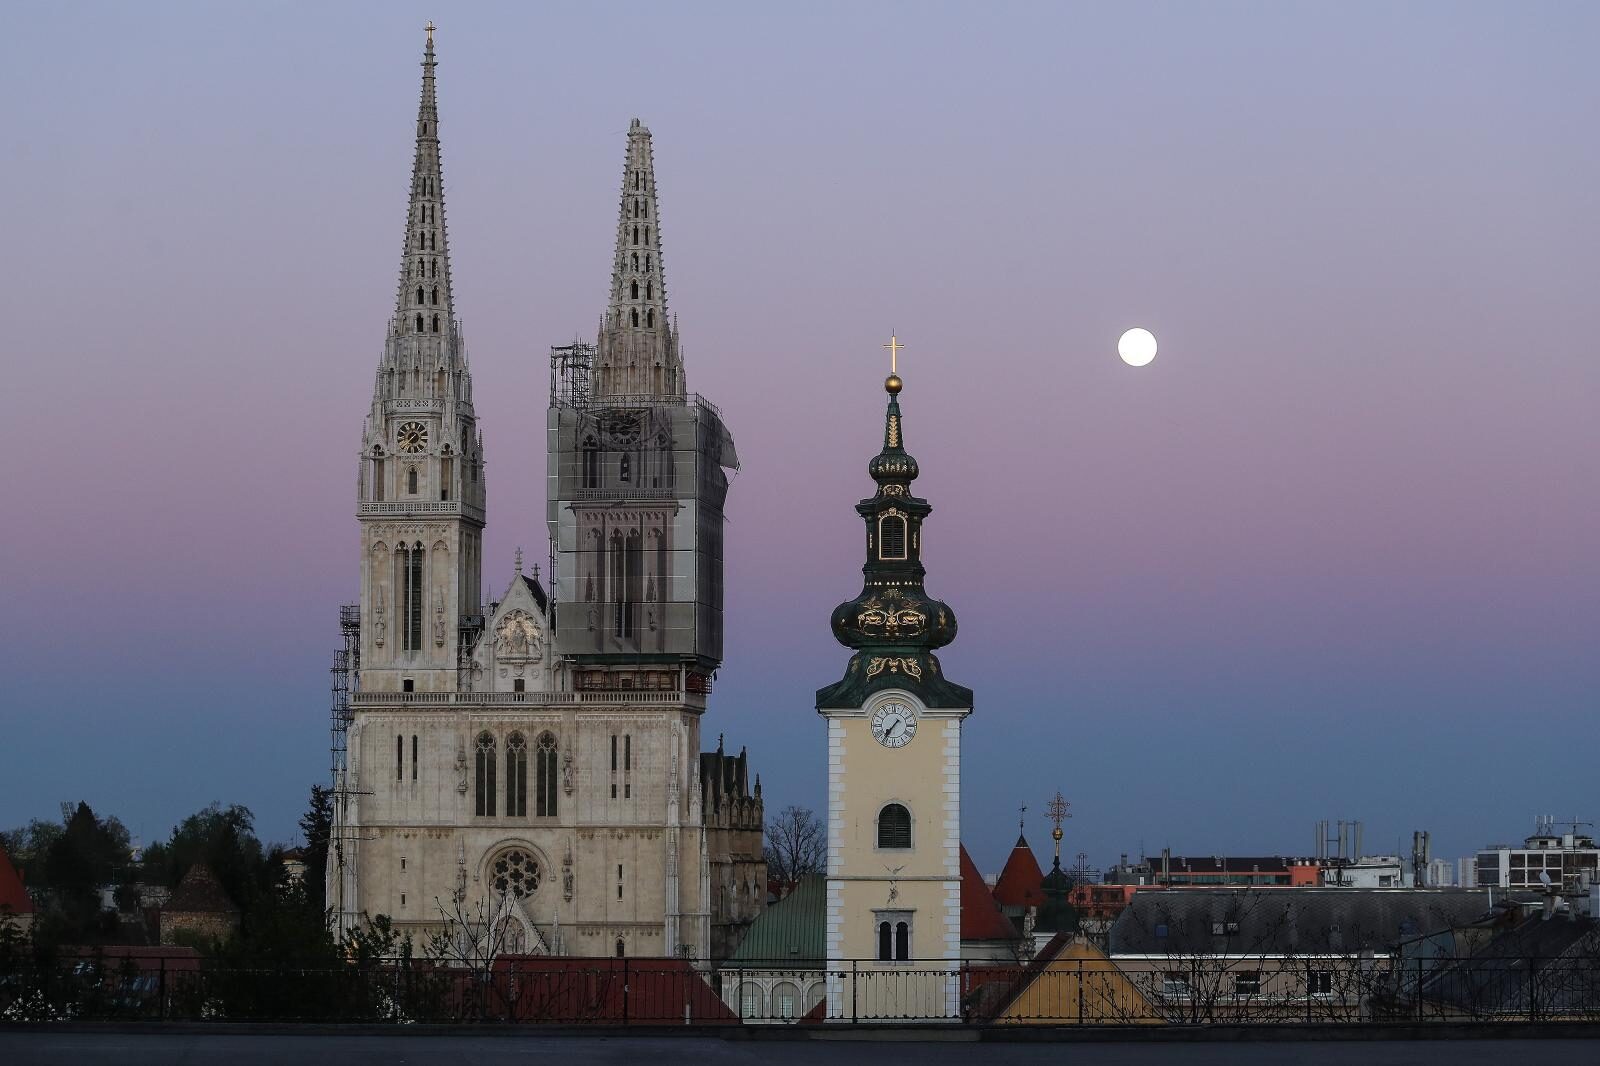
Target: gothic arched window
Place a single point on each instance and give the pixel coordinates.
(434, 295)
(419, 323)
(591, 463)
(635, 316)
(894, 827)
(892, 537)
(484, 775)
(650, 317)
(636, 235)
(399, 757)
(435, 269)
(545, 775)
(649, 290)
(622, 947)
(634, 292)
(436, 323)
(419, 294)
(902, 940)
(516, 776)
(636, 260)
(885, 940)
(411, 481)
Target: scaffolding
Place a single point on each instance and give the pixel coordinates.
(571, 366)
(344, 673)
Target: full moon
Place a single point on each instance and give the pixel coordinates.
(1137, 347)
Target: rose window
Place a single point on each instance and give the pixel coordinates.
(515, 873)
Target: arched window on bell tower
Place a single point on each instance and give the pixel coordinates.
(516, 776)
(591, 463)
(891, 537)
(546, 774)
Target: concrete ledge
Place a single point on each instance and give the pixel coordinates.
(870, 1033)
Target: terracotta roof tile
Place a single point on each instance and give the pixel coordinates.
(980, 915)
(1021, 880)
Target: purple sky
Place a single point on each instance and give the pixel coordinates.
(1331, 556)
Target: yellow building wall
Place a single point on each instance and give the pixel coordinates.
(1080, 985)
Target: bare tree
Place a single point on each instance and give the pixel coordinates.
(797, 844)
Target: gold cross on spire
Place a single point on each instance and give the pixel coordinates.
(894, 347)
(1057, 810)
(430, 27)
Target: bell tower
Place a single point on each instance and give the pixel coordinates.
(894, 761)
(420, 489)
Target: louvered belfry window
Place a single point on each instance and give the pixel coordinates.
(892, 537)
(894, 827)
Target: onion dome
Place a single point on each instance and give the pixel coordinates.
(894, 625)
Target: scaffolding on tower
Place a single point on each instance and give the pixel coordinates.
(342, 836)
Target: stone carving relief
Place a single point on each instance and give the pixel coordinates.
(438, 619)
(567, 774)
(518, 636)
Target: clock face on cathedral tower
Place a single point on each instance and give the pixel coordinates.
(413, 437)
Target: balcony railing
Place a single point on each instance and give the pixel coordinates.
(614, 697)
(427, 507)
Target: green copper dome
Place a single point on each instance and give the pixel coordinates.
(894, 625)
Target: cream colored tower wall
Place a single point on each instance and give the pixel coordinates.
(863, 879)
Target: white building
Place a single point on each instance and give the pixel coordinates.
(1567, 861)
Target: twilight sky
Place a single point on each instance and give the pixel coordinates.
(1332, 555)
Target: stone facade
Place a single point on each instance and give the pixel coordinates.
(537, 759)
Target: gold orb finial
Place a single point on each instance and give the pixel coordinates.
(892, 384)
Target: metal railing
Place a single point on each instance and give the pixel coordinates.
(575, 991)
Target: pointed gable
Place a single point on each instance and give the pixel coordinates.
(1021, 881)
(201, 892)
(980, 915)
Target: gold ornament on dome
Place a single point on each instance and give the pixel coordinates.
(894, 431)
(894, 490)
(878, 664)
(904, 622)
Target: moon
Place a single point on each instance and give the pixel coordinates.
(1137, 346)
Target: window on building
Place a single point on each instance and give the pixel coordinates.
(411, 594)
(446, 474)
(516, 776)
(408, 685)
(785, 1000)
(1174, 984)
(634, 292)
(749, 1000)
(894, 936)
(650, 317)
(1247, 983)
(619, 880)
(613, 766)
(627, 765)
(892, 537)
(484, 775)
(377, 480)
(519, 685)
(414, 746)
(436, 323)
(624, 468)
(434, 296)
(636, 235)
(894, 827)
(1320, 982)
(633, 316)
(411, 481)
(419, 294)
(622, 948)
(419, 323)
(591, 463)
(399, 758)
(546, 777)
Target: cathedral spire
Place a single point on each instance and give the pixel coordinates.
(425, 304)
(638, 345)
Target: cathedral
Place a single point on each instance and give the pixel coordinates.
(532, 754)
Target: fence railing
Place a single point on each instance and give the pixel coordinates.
(1088, 991)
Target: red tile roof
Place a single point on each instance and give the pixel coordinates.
(13, 896)
(980, 915)
(1020, 881)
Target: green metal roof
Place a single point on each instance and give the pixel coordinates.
(791, 932)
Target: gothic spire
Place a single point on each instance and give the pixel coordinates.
(638, 345)
(425, 304)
